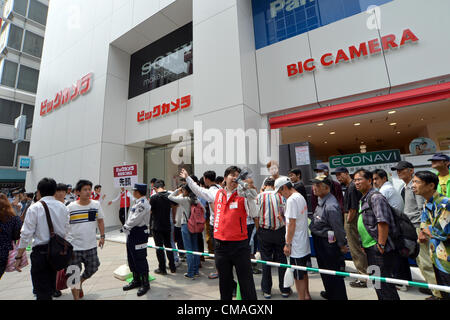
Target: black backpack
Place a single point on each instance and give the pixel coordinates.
(405, 237)
(59, 250)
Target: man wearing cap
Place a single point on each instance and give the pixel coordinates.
(327, 229)
(413, 209)
(297, 246)
(70, 197)
(136, 228)
(441, 162)
(351, 206)
(336, 189)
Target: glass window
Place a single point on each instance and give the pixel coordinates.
(33, 44)
(15, 37)
(29, 112)
(20, 6)
(9, 111)
(9, 74)
(23, 149)
(38, 12)
(28, 79)
(7, 154)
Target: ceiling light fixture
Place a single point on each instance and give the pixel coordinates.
(320, 124)
(392, 112)
(332, 132)
(393, 124)
(357, 124)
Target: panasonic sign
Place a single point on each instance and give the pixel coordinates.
(288, 5)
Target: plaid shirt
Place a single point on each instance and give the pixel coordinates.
(436, 217)
(379, 212)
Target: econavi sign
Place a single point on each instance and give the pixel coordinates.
(365, 159)
(277, 20)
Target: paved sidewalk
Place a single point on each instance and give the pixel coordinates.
(103, 285)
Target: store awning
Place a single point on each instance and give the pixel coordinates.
(380, 103)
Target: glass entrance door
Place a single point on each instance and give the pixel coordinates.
(159, 165)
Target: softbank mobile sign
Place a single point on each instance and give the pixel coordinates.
(364, 49)
(125, 176)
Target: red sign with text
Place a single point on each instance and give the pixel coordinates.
(67, 95)
(125, 176)
(370, 48)
(164, 109)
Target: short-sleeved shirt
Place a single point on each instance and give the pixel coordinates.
(297, 209)
(351, 198)
(83, 225)
(161, 211)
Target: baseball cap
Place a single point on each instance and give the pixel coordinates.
(403, 165)
(321, 167)
(142, 188)
(281, 181)
(440, 156)
(340, 170)
(321, 178)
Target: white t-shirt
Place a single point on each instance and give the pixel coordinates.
(296, 208)
(83, 224)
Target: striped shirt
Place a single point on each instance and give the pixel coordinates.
(270, 207)
(83, 224)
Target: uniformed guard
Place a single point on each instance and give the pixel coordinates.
(136, 228)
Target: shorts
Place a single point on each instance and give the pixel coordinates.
(90, 260)
(302, 262)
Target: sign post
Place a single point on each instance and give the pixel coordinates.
(125, 177)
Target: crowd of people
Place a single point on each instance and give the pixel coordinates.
(357, 213)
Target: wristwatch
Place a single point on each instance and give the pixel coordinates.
(103, 236)
(288, 244)
(18, 258)
(381, 245)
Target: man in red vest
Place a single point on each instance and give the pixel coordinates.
(125, 202)
(230, 232)
(96, 194)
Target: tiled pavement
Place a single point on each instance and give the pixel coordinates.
(103, 285)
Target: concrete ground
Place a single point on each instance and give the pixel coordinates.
(104, 286)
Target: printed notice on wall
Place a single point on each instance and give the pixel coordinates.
(302, 156)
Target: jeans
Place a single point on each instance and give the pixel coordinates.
(190, 242)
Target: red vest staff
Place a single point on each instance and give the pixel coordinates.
(125, 203)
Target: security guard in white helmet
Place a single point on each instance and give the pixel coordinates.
(136, 228)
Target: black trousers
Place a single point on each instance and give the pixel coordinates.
(2, 267)
(137, 250)
(402, 270)
(162, 238)
(201, 243)
(329, 257)
(43, 276)
(386, 262)
(178, 239)
(442, 279)
(271, 244)
(237, 254)
(122, 214)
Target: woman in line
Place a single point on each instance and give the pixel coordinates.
(10, 225)
(187, 199)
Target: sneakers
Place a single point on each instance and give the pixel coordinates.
(425, 291)
(430, 298)
(267, 295)
(158, 271)
(324, 295)
(213, 275)
(174, 270)
(286, 294)
(189, 277)
(57, 294)
(197, 275)
(256, 270)
(403, 288)
(358, 284)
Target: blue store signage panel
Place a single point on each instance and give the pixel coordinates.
(277, 20)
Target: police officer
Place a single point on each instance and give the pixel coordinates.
(136, 228)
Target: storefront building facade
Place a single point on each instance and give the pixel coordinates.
(119, 78)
